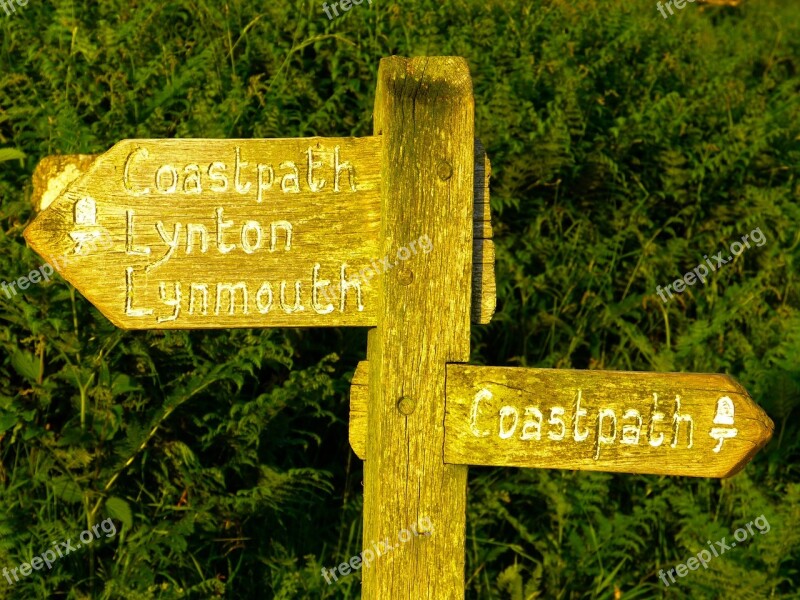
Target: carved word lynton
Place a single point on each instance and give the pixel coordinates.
(658, 426)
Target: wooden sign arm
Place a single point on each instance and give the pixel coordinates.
(699, 425)
(54, 174)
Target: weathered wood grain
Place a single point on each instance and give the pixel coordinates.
(359, 398)
(701, 425)
(481, 211)
(178, 234)
(54, 174)
(484, 288)
(424, 112)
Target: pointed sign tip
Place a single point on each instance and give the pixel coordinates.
(30, 235)
(33, 236)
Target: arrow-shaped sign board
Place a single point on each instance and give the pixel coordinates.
(701, 425)
(178, 234)
(131, 203)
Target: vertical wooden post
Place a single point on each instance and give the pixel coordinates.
(424, 110)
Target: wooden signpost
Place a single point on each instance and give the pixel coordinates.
(277, 233)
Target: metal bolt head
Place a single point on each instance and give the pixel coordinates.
(444, 170)
(406, 405)
(405, 276)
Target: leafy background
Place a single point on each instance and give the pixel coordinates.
(624, 146)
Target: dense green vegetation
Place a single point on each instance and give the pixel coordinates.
(624, 148)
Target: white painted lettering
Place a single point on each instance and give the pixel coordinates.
(314, 186)
(129, 310)
(337, 171)
(231, 289)
(130, 247)
(579, 436)
(216, 174)
(192, 173)
(174, 302)
(655, 417)
(193, 230)
(677, 419)
(298, 307)
(198, 287)
(172, 244)
(222, 225)
(126, 174)
(264, 307)
(556, 413)
(290, 181)
(237, 173)
(264, 186)
(630, 433)
(507, 411)
(172, 173)
(273, 241)
(483, 394)
(605, 438)
(527, 432)
(246, 229)
(316, 284)
(345, 285)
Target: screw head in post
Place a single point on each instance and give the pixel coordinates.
(406, 405)
(444, 170)
(405, 276)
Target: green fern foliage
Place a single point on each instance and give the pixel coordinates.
(624, 148)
